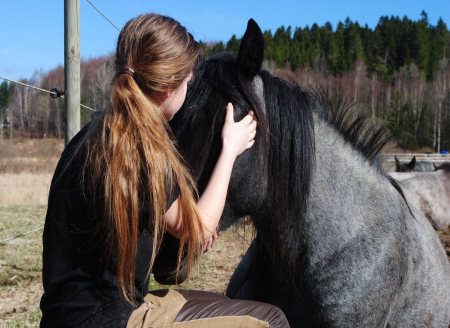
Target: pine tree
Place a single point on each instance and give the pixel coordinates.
(423, 37)
(233, 45)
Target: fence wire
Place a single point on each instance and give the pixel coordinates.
(54, 94)
(103, 15)
(20, 235)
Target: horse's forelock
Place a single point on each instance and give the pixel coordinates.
(258, 86)
(219, 74)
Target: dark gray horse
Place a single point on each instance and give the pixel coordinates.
(429, 192)
(337, 244)
(413, 165)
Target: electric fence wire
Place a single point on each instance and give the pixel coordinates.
(27, 85)
(103, 15)
(20, 235)
(54, 94)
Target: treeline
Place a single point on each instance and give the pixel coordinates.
(398, 72)
(393, 43)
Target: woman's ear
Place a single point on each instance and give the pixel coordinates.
(167, 93)
(169, 90)
(163, 96)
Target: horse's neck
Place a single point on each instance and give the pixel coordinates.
(348, 194)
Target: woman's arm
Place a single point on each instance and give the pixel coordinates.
(236, 138)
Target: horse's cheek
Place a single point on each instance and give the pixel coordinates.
(247, 186)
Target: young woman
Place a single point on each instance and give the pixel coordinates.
(121, 199)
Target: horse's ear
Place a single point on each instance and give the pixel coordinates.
(251, 51)
(397, 162)
(412, 164)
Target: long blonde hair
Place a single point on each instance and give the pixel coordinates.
(130, 156)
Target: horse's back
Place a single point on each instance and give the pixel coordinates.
(429, 192)
(424, 166)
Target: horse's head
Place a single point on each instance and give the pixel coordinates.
(405, 167)
(271, 181)
(221, 79)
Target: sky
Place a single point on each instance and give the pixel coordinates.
(32, 31)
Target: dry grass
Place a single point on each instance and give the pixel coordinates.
(24, 188)
(30, 156)
(26, 170)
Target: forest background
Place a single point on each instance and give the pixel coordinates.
(398, 73)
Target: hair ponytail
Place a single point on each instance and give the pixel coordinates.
(130, 156)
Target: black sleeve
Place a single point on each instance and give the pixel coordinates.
(165, 266)
(172, 197)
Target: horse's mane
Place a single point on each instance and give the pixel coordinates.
(354, 126)
(356, 129)
(286, 100)
(289, 112)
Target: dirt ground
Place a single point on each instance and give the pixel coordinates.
(444, 236)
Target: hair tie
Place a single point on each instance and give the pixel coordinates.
(128, 71)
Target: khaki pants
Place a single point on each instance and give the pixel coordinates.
(159, 311)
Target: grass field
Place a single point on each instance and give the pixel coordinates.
(20, 264)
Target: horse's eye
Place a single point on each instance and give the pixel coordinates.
(239, 112)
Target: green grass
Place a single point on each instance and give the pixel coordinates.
(20, 265)
(23, 254)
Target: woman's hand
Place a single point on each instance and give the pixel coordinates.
(210, 241)
(238, 136)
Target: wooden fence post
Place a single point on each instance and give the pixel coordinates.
(72, 67)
